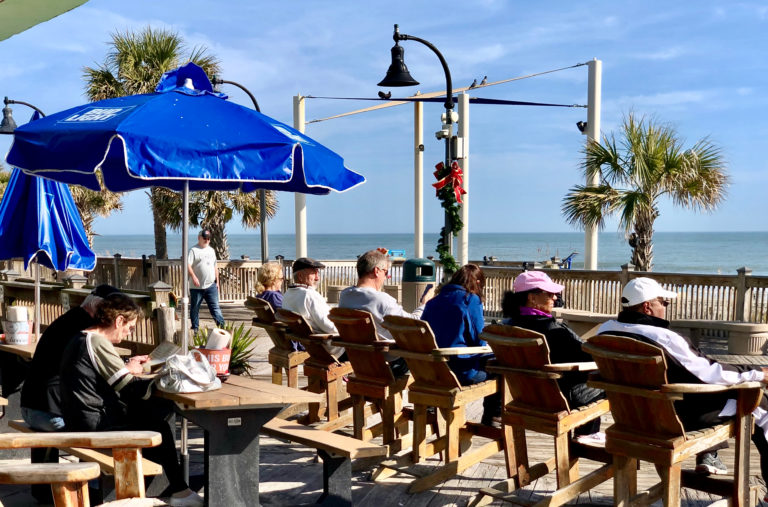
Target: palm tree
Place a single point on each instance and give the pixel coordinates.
(134, 65)
(90, 204)
(5, 177)
(648, 162)
(214, 209)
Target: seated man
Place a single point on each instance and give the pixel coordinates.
(40, 398)
(645, 307)
(303, 298)
(372, 271)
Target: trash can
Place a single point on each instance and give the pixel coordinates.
(418, 275)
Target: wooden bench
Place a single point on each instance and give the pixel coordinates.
(336, 451)
(70, 483)
(103, 457)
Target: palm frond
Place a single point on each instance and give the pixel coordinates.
(589, 205)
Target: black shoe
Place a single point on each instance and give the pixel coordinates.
(493, 422)
(708, 463)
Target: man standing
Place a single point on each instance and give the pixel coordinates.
(203, 280)
(644, 304)
(302, 297)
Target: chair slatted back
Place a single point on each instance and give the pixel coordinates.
(524, 353)
(266, 319)
(416, 339)
(632, 373)
(300, 329)
(365, 351)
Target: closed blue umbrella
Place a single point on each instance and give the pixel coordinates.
(39, 222)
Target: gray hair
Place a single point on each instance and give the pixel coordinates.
(370, 260)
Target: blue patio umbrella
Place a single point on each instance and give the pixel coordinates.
(183, 137)
(39, 222)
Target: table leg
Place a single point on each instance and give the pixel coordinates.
(231, 453)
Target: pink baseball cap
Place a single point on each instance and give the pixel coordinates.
(531, 280)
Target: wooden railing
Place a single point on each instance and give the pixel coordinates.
(739, 297)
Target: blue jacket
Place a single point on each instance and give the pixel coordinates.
(456, 317)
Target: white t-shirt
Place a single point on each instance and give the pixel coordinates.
(202, 260)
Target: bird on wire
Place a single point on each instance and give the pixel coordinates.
(383, 95)
(484, 81)
(474, 83)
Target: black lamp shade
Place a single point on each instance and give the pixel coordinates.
(7, 126)
(397, 74)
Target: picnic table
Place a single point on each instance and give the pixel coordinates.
(232, 418)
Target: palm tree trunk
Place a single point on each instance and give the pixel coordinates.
(161, 242)
(642, 253)
(219, 241)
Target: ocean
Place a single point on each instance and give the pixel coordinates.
(683, 252)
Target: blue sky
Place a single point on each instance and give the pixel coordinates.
(699, 66)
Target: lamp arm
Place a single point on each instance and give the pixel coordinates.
(216, 80)
(9, 101)
(448, 82)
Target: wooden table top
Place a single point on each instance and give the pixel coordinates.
(242, 392)
(27, 351)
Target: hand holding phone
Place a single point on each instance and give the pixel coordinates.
(427, 290)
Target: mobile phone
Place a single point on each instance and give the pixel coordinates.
(426, 289)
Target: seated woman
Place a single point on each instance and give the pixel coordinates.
(269, 283)
(99, 391)
(455, 315)
(530, 307)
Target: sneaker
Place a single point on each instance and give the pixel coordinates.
(597, 439)
(186, 498)
(708, 463)
(493, 422)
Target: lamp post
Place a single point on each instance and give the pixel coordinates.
(398, 75)
(8, 126)
(262, 193)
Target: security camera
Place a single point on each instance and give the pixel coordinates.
(582, 126)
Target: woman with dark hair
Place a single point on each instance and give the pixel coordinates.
(530, 307)
(101, 392)
(455, 315)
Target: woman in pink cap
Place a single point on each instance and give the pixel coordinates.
(530, 307)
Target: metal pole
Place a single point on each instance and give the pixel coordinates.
(263, 226)
(185, 311)
(593, 134)
(300, 200)
(418, 179)
(37, 300)
(463, 135)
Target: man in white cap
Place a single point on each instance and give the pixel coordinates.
(644, 304)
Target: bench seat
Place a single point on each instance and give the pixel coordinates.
(125, 478)
(336, 451)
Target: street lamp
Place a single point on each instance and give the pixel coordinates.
(262, 193)
(8, 125)
(398, 75)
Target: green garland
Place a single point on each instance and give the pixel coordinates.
(453, 223)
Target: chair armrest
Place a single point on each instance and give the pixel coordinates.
(455, 351)
(585, 366)
(496, 368)
(322, 336)
(707, 388)
(90, 439)
(371, 347)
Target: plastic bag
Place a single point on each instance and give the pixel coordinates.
(187, 374)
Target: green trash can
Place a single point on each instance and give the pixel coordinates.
(418, 275)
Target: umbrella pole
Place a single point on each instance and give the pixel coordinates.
(263, 225)
(184, 311)
(37, 301)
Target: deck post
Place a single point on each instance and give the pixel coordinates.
(743, 295)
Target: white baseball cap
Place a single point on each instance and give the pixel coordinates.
(640, 290)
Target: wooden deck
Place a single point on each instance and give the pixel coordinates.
(290, 474)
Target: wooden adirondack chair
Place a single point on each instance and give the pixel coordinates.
(372, 380)
(281, 356)
(634, 375)
(532, 401)
(435, 385)
(324, 373)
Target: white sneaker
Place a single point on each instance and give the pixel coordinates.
(593, 439)
(186, 498)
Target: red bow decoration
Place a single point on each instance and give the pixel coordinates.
(454, 178)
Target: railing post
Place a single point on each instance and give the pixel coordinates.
(153, 269)
(74, 281)
(743, 295)
(163, 316)
(117, 270)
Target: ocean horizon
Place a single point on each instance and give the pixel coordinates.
(684, 252)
